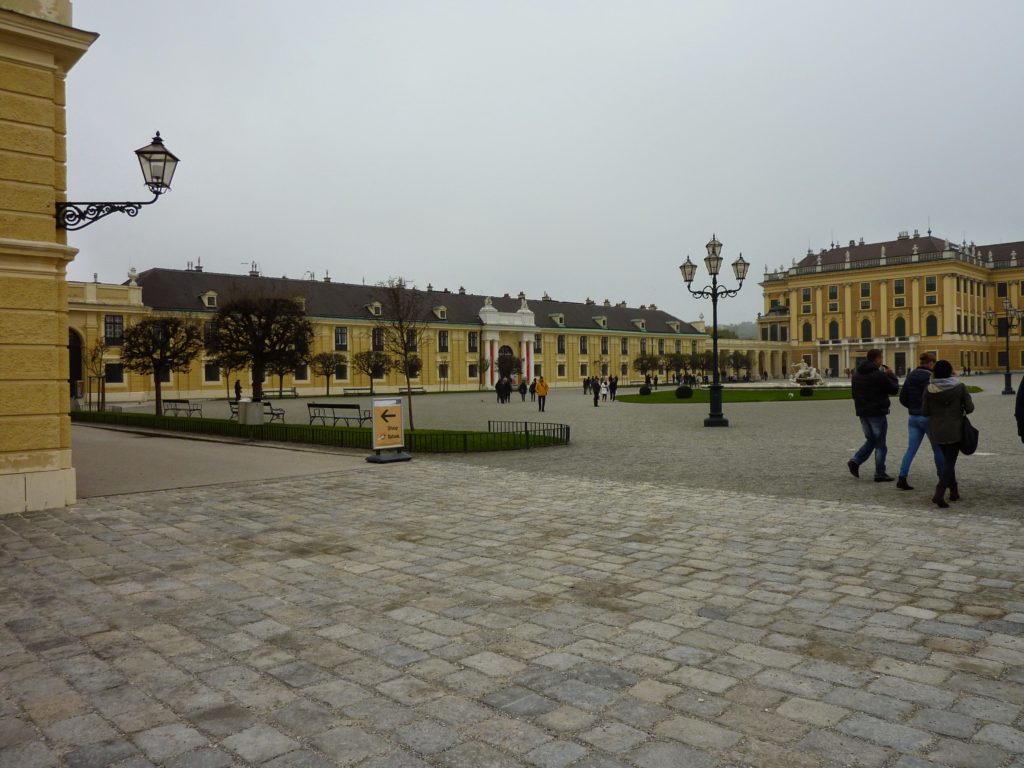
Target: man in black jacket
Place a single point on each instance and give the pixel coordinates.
(917, 425)
(873, 382)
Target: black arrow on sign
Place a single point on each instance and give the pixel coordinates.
(387, 415)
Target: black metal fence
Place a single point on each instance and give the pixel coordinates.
(500, 435)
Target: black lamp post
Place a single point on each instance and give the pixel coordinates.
(713, 262)
(158, 166)
(1012, 320)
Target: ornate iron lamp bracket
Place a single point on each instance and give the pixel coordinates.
(72, 216)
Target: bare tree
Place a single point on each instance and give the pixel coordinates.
(261, 333)
(371, 364)
(403, 327)
(159, 345)
(96, 368)
(326, 364)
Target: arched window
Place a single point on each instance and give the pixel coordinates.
(865, 328)
(833, 330)
(931, 326)
(900, 326)
(808, 332)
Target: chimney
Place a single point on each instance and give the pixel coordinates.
(522, 295)
(446, 290)
(653, 305)
(327, 276)
(607, 303)
(916, 234)
(589, 301)
(430, 286)
(462, 291)
(853, 243)
(861, 241)
(254, 270)
(199, 265)
(903, 235)
(545, 297)
(506, 296)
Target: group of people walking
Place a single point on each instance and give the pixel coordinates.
(936, 402)
(538, 390)
(601, 389)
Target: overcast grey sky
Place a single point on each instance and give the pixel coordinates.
(578, 148)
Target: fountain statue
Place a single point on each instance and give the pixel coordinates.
(805, 375)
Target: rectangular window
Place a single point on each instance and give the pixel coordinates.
(536, 344)
(604, 345)
(412, 340)
(833, 306)
(583, 345)
(442, 342)
(865, 290)
(661, 346)
(805, 309)
(898, 286)
(583, 370)
(473, 371)
(377, 340)
(805, 294)
(643, 346)
(932, 299)
(165, 375)
(341, 339)
(538, 370)
(442, 371)
(211, 372)
(473, 342)
(774, 303)
(679, 346)
(929, 283)
(833, 293)
(899, 301)
(561, 346)
(624, 369)
(113, 373)
(623, 346)
(113, 330)
(302, 373)
(764, 333)
(341, 371)
(561, 370)
(1001, 290)
(865, 303)
(209, 331)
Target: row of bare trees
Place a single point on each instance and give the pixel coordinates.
(272, 335)
(702, 362)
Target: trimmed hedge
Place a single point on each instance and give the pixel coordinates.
(416, 441)
(684, 392)
(645, 390)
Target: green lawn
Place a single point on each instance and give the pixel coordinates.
(737, 395)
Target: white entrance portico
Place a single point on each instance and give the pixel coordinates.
(515, 329)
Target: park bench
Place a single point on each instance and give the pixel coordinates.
(269, 411)
(356, 390)
(282, 391)
(416, 390)
(347, 412)
(182, 408)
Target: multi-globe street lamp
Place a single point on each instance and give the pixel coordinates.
(158, 165)
(713, 262)
(1009, 321)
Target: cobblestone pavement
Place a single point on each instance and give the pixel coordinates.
(521, 610)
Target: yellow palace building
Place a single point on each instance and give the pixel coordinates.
(917, 293)
(464, 335)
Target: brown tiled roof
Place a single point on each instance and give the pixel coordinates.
(1001, 252)
(868, 251)
(182, 290)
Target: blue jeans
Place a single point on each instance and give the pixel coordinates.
(917, 428)
(874, 428)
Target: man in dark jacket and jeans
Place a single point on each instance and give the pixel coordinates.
(917, 425)
(873, 382)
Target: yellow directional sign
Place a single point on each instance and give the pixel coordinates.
(388, 424)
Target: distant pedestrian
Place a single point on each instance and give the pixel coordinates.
(542, 394)
(917, 425)
(1019, 410)
(522, 389)
(655, 381)
(945, 402)
(533, 390)
(595, 388)
(586, 385)
(238, 390)
(873, 382)
(604, 391)
(613, 386)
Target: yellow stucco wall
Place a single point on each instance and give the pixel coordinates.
(37, 48)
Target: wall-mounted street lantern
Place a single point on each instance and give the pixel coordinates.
(713, 262)
(158, 165)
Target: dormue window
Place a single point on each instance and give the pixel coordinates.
(113, 330)
(473, 343)
(211, 373)
(341, 339)
(113, 373)
(442, 342)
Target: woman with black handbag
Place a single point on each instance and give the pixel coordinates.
(946, 401)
